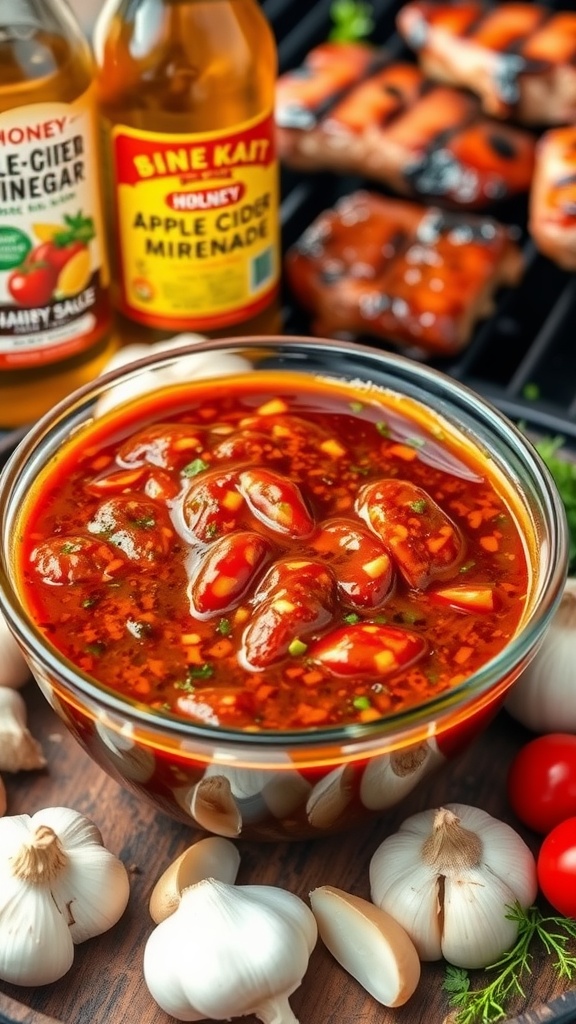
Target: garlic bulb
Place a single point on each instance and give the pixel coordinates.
(229, 951)
(14, 671)
(368, 943)
(58, 886)
(448, 876)
(19, 751)
(544, 697)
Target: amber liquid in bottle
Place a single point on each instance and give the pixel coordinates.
(45, 60)
(184, 71)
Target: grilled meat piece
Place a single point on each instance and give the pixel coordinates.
(552, 220)
(402, 272)
(350, 109)
(520, 58)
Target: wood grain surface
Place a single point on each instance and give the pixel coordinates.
(105, 984)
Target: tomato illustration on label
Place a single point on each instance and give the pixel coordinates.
(60, 266)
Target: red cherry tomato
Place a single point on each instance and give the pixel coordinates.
(32, 284)
(542, 781)
(557, 867)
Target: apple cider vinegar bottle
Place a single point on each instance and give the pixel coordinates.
(186, 95)
(55, 314)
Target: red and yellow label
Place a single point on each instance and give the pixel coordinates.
(197, 224)
(53, 272)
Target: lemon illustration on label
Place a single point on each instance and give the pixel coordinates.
(75, 275)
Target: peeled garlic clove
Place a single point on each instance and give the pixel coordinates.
(214, 808)
(388, 779)
(14, 671)
(209, 858)
(330, 797)
(368, 943)
(19, 751)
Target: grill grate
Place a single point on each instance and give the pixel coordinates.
(526, 345)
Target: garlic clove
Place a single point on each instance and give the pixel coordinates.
(476, 930)
(14, 671)
(330, 797)
(259, 793)
(19, 751)
(36, 947)
(388, 779)
(209, 858)
(214, 808)
(405, 887)
(368, 943)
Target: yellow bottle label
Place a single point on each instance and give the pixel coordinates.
(53, 273)
(197, 218)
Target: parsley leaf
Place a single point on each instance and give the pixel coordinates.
(194, 467)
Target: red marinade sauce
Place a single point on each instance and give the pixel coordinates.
(272, 552)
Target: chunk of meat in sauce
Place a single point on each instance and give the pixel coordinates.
(294, 600)
(423, 541)
(75, 559)
(276, 502)
(367, 649)
(140, 529)
(211, 505)
(226, 572)
(361, 564)
(165, 445)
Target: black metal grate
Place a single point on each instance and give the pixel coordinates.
(528, 346)
(528, 341)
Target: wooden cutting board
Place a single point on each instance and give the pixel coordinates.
(105, 984)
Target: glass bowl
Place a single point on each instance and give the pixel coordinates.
(291, 783)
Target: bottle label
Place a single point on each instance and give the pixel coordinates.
(197, 220)
(53, 273)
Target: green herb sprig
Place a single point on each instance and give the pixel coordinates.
(564, 474)
(352, 21)
(487, 1004)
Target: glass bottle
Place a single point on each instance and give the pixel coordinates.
(55, 314)
(186, 94)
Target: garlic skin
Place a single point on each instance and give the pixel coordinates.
(14, 671)
(229, 951)
(58, 886)
(447, 876)
(542, 698)
(19, 751)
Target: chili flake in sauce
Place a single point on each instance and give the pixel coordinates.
(272, 552)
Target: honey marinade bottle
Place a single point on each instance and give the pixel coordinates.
(55, 314)
(186, 94)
